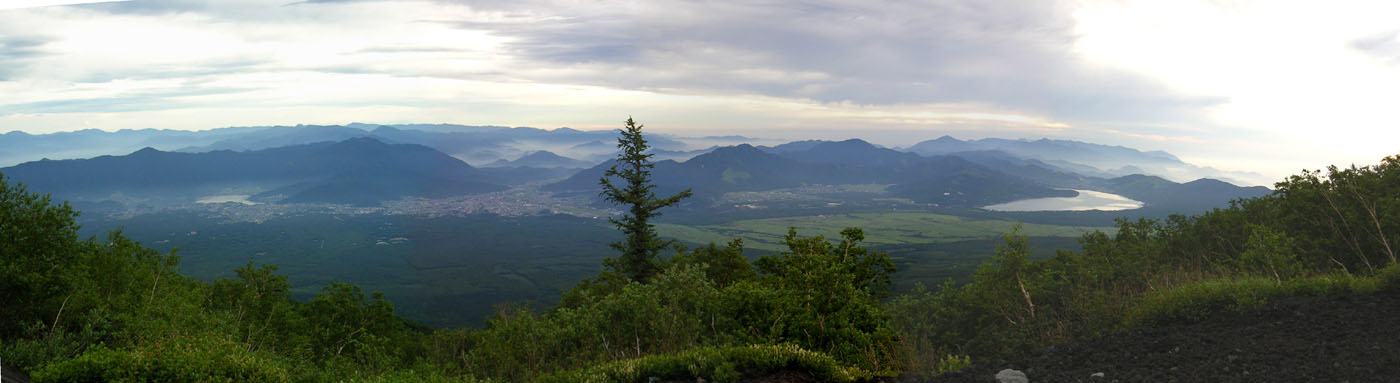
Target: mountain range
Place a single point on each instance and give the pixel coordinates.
(473, 144)
(541, 159)
(364, 164)
(1087, 159)
(959, 179)
(354, 171)
(943, 180)
(486, 145)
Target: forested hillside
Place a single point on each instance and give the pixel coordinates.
(110, 309)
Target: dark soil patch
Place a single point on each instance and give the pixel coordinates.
(783, 377)
(1352, 338)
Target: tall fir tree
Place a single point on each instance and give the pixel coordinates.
(641, 247)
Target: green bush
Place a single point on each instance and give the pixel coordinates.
(718, 364)
(953, 363)
(41, 345)
(1270, 253)
(198, 359)
(1388, 279)
(419, 373)
(1196, 301)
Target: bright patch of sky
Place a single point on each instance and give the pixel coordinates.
(1264, 86)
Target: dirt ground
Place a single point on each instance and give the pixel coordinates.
(1354, 338)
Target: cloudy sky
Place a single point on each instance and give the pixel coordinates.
(1267, 86)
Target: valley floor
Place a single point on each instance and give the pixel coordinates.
(1350, 338)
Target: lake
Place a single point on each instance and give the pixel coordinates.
(1086, 200)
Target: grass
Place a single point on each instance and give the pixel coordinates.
(1197, 301)
(894, 228)
(718, 364)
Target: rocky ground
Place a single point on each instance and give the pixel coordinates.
(1307, 339)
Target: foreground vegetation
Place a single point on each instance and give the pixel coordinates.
(111, 310)
(442, 272)
(900, 228)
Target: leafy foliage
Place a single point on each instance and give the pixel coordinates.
(38, 247)
(723, 266)
(203, 359)
(113, 310)
(826, 296)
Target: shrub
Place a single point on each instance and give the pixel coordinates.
(198, 359)
(420, 373)
(1196, 301)
(1388, 279)
(42, 346)
(721, 364)
(1269, 252)
(953, 363)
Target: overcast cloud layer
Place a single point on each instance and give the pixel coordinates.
(1262, 86)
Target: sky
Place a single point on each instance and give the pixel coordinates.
(1264, 86)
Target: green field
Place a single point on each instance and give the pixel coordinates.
(881, 229)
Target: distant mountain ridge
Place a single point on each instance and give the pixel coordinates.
(1192, 197)
(852, 152)
(275, 137)
(355, 166)
(941, 180)
(491, 145)
(475, 144)
(360, 171)
(1044, 147)
(967, 179)
(1086, 159)
(542, 159)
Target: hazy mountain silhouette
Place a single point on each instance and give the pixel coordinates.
(850, 152)
(358, 171)
(542, 159)
(279, 137)
(942, 180)
(1085, 158)
(1186, 198)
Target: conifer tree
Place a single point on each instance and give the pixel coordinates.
(641, 246)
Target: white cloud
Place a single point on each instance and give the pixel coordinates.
(1297, 88)
(18, 4)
